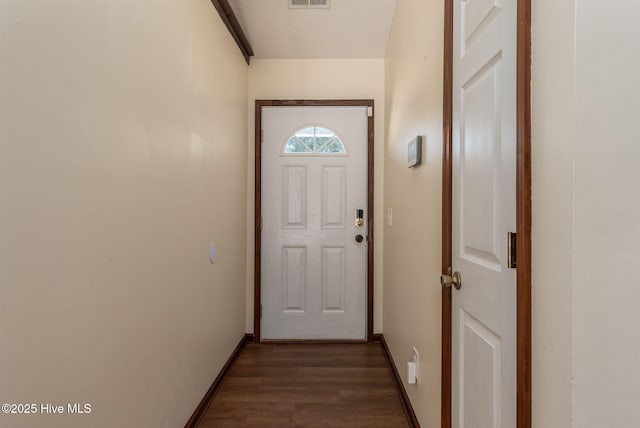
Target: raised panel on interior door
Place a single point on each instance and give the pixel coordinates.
(294, 279)
(480, 161)
(480, 383)
(477, 15)
(294, 197)
(334, 196)
(333, 280)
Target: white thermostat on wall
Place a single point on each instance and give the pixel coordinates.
(414, 152)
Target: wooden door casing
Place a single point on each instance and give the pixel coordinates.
(523, 214)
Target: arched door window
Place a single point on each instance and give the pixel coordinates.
(314, 140)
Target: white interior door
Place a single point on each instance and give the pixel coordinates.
(484, 211)
(313, 271)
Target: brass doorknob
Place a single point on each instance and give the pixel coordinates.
(449, 280)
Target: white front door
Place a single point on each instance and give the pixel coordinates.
(314, 181)
(484, 211)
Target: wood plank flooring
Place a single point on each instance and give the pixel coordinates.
(307, 385)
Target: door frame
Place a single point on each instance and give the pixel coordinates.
(523, 214)
(257, 296)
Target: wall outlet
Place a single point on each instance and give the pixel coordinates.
(411, 373)
(416, 361)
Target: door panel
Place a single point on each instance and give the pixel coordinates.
(480, 354)
(294, 192)
(334, 194)
(484, 202)
(333, 281)
(480, 167)
(313, 272)
(294, 279)
(477, 16)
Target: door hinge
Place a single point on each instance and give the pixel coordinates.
(261, 224)
(511, 250)
(261, 136)
(261, 310)
(369, 111)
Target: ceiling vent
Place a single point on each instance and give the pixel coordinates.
(309, 4)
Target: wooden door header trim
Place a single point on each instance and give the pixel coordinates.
(311, 103)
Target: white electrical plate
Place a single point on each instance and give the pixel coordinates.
(213, 252)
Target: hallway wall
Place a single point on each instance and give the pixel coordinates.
(606, 292)
(586, 206)
(319, 79)
(552, 165)
(412, 252)
(122, 156)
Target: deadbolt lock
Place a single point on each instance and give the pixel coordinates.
(359, 218)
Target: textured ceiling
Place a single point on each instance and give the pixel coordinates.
(349, 29)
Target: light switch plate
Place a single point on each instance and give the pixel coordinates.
(411, 373)
(389, 216)
(213, 252)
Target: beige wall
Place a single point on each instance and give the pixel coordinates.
(606, 292)
(553, 143)
(412, 251)
(319, 79)
(585, 214)
(122, 156)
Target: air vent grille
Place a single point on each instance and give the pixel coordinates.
(309, 4)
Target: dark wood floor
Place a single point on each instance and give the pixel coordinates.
(307, 385)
